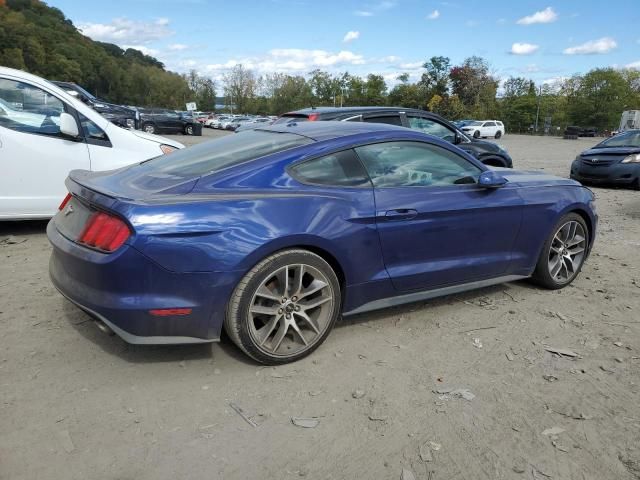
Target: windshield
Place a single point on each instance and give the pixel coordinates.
(627, 139)
(231, 150)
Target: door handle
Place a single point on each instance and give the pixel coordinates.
(400, 214)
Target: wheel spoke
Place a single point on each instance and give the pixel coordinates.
(575, 241)
(279, 336)
(309, 321)
(575, 250)
(555, 268)
(265, 332)
(315, 286)
(263, 310)
(316, 302)
(283, 280)
(298, 275)
(264, 292)
(296, 329)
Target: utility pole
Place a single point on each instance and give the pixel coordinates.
(535, 128)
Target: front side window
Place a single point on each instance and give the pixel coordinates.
(92, 131)
(431, 127)
(414, 164)
(338, 169)
(28, 109)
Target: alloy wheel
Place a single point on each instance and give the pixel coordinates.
(291, 310)
(567, 251)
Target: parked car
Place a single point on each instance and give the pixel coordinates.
(488, 153)
(160, 120)
(236, 122)
(118, 114)
(573, 132)
(274, 233)
(224, 124)
(484, 129)
(615, 160)
(255, 123)
(630, 120)
(217, 121)
(45, 133)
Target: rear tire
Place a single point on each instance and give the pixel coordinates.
(563, 254)
(284, 307)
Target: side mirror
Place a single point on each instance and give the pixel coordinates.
(491, 179)
(68, 126)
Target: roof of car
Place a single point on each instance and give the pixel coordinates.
(308, 111)
(320, 131)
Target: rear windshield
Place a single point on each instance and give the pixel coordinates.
(230, 150)
(286, 118)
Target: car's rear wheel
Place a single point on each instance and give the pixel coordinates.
(476, 134)
(563, 253)
(149, 128)
(284, 308)
(498, 134)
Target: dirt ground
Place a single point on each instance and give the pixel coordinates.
(78, 404)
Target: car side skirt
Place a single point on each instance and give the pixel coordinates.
(429, 294)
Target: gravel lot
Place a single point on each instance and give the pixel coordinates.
(78, 404)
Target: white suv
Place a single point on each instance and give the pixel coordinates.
(45, 133)
(484, 129)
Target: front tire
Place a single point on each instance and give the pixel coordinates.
(563, 253)
(149, 128)
(476, 134)
(284, 307)
(188, 129)
(498, 134)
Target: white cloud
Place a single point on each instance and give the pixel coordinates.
(146, 50)
(602, 45)
(351, 36)
(123, 30)
(376, 8)
(523, 48)
(363, 13)
(433, 15)
(411, 65)
(547, 15)
(633, 65)
(177, 47)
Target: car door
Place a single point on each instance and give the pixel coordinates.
(437, 227)
(489, 129)
(173, 122)
(36, 158)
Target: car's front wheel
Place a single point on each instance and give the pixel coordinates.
(284, 308)
(188, 129)
(476, 134)
(563, 253)
(149, 128)
(498, 134)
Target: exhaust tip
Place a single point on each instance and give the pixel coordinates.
(104, 328)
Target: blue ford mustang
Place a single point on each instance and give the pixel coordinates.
(273, 233)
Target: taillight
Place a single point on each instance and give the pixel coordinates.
(313, 117)
(65, 201)
(104, 232)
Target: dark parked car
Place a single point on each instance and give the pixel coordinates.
(488, 153)
(118, 114)
(615, 160)
(274, 233)
(160, 120)
(574, 131)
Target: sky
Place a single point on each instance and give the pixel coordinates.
(537, 39)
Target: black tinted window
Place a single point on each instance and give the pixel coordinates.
(227, 151)
(388, 119)
(340, 169)
(413, 164)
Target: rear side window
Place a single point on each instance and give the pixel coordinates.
(388, 119)
(338, 169)
(227, 151)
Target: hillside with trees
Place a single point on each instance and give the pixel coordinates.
(40, 39)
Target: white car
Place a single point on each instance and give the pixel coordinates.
(45, 133)
(484, 129)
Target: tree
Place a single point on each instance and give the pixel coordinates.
(436, 79)
(239, 87)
